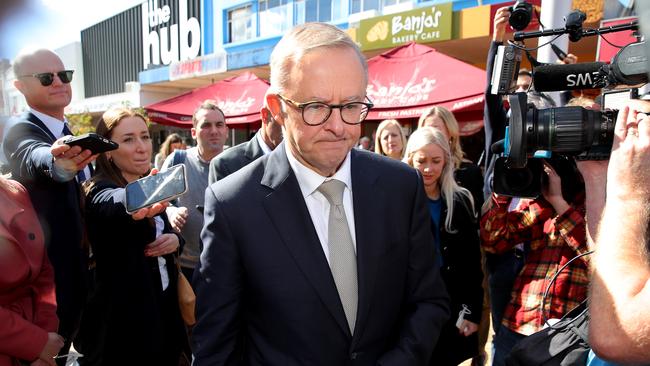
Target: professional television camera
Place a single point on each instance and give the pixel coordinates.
(567, 131)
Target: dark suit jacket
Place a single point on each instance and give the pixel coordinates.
(264, 277)
(463, 276)
(27, 147)
(234, 159)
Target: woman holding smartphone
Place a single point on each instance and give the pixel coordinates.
(456, 242)
(132, 315)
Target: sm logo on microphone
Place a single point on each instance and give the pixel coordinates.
(587, 79)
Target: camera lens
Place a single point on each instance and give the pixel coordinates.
(520, 15)
(576, 131)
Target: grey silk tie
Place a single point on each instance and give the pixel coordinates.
(343, 260)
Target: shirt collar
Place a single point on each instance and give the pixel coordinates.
(309, 180)
(265, 148)
(53, 124)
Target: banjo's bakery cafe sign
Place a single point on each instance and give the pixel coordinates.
(422, 25)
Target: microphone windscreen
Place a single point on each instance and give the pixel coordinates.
(584, 75)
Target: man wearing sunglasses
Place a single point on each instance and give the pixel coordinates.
(318, 253)
(52, 171)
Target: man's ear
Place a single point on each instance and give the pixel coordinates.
(275, 107)
(20, 86)
(193, 132)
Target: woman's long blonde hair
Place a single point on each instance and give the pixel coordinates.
(452, 127)
(449, 189)
(382, 126)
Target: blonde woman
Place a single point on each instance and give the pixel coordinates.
(390, 139)
(457, 247)
(466, 173)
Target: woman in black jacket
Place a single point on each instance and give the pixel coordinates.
(457, 246)
(132, 315)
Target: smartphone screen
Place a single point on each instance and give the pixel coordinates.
(165, 185)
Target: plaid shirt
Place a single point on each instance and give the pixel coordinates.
(553, 241)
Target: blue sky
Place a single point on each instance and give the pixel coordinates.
(52, 23)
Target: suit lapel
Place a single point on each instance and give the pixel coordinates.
(287, 209)
(253, 149)
(367, 198)
(35, 120)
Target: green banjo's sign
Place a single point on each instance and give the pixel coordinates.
(422, 25)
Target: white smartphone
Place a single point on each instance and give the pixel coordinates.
(163, 186)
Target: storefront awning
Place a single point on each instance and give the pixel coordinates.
(407, 80)
(240, 97)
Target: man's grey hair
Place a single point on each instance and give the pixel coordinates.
(301, 40)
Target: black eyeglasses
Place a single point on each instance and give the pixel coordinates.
(316, 113)
(47, 78)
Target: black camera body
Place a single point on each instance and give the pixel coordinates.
(521, 13)
(564, 133)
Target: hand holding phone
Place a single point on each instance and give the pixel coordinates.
(93, 142)
(163, 186)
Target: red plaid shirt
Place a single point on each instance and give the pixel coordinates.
(553, 240)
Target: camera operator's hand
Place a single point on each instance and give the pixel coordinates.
(569, 59)
(500, 24)
(552, 191)
(628, 172)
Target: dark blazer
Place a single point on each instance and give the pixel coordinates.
(463, 275)
(264, 277)
(128, 313)
(233, 159)
(27, 145)
(470, 177)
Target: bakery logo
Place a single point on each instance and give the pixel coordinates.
(422, 25)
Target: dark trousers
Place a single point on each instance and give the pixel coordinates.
(504, 340)
(503, 269)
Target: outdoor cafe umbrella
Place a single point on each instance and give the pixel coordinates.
(407, 80)
(239, 97)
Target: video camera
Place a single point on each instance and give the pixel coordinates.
(567, 131)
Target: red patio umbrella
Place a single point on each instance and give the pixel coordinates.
(240, 98)
(407, 80)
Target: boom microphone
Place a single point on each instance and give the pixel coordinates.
(586, 75)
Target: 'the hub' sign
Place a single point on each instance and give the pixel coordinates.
(163, 43)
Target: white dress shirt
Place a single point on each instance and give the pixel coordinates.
(56, 128)
(317, 204)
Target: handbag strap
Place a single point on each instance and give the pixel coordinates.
(553, 279)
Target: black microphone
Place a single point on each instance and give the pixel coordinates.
(586, 75)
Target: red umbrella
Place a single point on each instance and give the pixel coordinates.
(407, 80)
(240, 98)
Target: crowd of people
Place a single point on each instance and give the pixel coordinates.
(304, 246)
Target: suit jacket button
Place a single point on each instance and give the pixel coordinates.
(31, 236)
(353, 356)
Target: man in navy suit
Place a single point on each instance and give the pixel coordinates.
(317, 253)
(51, 171)
(267, 138)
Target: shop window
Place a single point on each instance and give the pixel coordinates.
(274, 17)
(318, 10)
(240, 24)
(358, 6)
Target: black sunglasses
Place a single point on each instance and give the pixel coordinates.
(47, 78)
